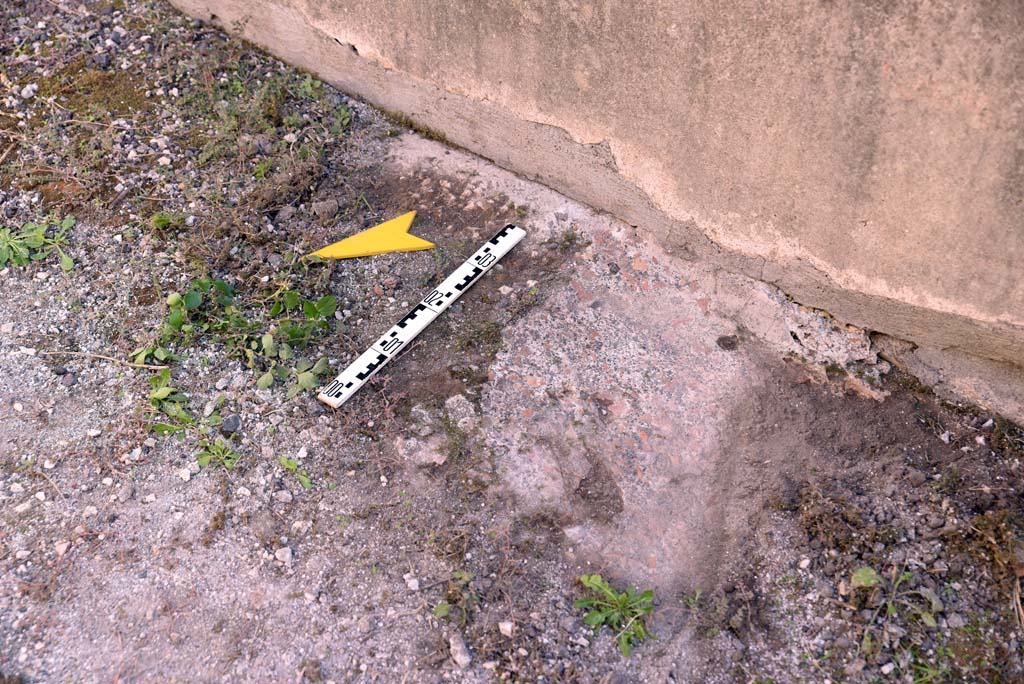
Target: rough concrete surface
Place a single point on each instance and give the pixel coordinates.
(867, 159)
(802, 511)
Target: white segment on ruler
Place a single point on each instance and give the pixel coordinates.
(394, 340)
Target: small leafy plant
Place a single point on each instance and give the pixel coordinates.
(622, 612)
(169, 401)
(292, 466)
(162, 220)
(36, 241)
(216, 453)
(459, 596)
(893, 601)
(207, 308)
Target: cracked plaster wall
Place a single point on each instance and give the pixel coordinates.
(867, 158)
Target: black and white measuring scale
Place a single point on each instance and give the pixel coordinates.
(394, 340)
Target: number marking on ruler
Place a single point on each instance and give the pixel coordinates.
(393, 341)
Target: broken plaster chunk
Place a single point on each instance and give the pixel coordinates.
(423, 421)
(422, 452)
(461, 412)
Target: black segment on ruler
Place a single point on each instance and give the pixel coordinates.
(411, 315)
(500, 234)
(469, 279)
(368, 371)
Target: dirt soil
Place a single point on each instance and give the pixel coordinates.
(176, 506)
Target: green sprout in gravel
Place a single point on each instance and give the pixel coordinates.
(622, 612)
(216, 453)
(169, 401)
(208, 308)
(292, 466)
(36, 241)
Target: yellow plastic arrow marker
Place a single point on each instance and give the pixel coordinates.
(390, 236)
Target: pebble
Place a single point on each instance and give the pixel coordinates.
(41, 496)
(69, 379)
(243, 491)
(61, 547)
(231, 425)
(460, 654)
(94, 433)
(888, 668)
(411, 582)
(16, 488)
(283, 554)
(325, 209)
(184, 474)
(283, 495)
(507, 628)
(916, 478)
(29, 91)
(805, 563)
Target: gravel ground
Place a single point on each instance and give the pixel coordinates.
(177, 507)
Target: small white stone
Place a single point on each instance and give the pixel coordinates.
(89, 510)
(18, 407)
(805, 563)
(48, 464)
(243, 491)
(61, 547)
(507, 628)
(29, 91)
(41, 496)
(460, 654)
(108, 481)
(411, 582)
(22, 554)
(16, 488)
(22, 507)
(888, 668)
(164, 161)
(283, 554)
(184, 474)
(301, 454)
(93, 433)
(150, 498)
(290, 138)
(283, 495)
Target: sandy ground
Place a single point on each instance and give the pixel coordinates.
(801, 512)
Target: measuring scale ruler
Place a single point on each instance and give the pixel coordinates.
(394, 340)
